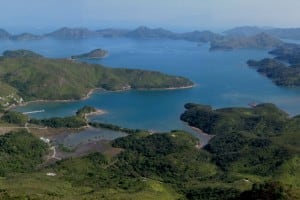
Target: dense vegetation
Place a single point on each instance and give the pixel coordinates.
(77, 121)
(278, 72)
(97, 53)
(262, 120)
(85, 110)
(32, 77)
(20, 152)
(158, 166)
(253, 143)
(61, 122)
(13, 117)
(288, 52)
(254, 154)
(21, 53)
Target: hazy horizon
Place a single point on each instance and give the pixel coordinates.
(177, 15)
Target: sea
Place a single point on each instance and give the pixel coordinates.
(222, 79)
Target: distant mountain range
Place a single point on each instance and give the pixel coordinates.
(240, 37)
(258, 41)
(283, 33)
(139, 33)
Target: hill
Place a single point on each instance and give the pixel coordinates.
(288, 52)
(30, 76)
(284, 33)
(260, 41)
(244, 31)
(256, 156)
(145, 32)
(257, 143)
(110, 32)
(72, 33)
(279, 72)
(26, 36)
(4, 34)
(96, 53)
(21, 54)
(200, 36)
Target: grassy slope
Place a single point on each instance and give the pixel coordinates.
(41, 78)
(39, 186)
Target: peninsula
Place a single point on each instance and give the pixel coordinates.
(27, 76)
(281, 73)
(259, 41)
(94, 54)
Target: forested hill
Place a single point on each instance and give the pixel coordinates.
(281, 73)
(254, 155)
(256, 144)
(25, 74)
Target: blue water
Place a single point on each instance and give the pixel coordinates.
(222, 79)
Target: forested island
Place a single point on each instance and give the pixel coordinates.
(27, 76)
(253, 155)
(278, 71)
(259, 41)
(96, 53)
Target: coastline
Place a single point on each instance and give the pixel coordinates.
(169, 88)
(97, 112)
(91, 92)
(88, 95)
(203, 137)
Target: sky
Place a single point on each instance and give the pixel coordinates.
(44, 15)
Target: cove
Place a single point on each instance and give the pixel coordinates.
(222, 79)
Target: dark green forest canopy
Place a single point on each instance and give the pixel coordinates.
(279, 72)
(234, 160)
(263, 119)
(261, 142)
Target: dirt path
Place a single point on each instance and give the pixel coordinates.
(53, 156)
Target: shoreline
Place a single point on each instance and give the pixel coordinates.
(88, 95)
(169, 88)
(97, 112)
(91, 92)
(204, 138)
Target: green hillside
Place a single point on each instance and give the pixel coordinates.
(254, 155)
(257, 144)
(30, 76)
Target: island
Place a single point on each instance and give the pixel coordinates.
(259, 41)
(283, 33)
(27, 76)
(94, 54)
(287, 52)
(26, 37)
(281, 73)
(66, 33)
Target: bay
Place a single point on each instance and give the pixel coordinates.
(222, 79)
